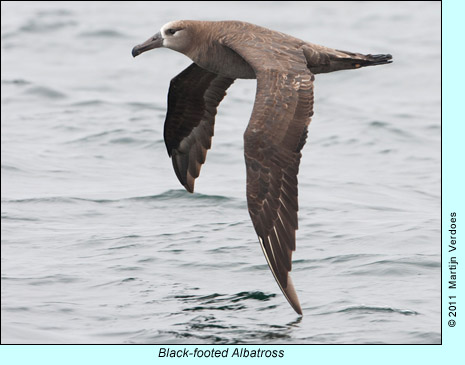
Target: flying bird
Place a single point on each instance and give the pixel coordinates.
(284, 67)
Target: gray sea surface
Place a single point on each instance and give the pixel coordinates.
(101, 244)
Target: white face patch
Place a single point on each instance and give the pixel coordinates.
(167, 26)
(174, 36)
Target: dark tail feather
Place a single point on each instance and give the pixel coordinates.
(375, 59)
(322, 60)
(351, 60)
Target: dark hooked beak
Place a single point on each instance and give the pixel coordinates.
(153, 42)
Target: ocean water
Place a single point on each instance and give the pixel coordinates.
(101, 244)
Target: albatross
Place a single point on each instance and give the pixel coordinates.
(284, 68)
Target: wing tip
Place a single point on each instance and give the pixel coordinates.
(288, 291)
(182, 173)
(189, 183)
(291, 296)
(189, 188)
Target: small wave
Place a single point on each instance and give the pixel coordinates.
(404, 115)
(16, 309)
(92, 102)
(257, 295)
(128, 280)
(6, 217)
(46, 92)
(150, 106)
(221, 301)
(420, 262)
(118, 136)
(369, 309)
(55, 12)
(233, 307)
(426, 337)
(181, 194)
(387, 151)
(130, 140)
(379, 124)
(51, 199)
(385, 268)
(102, 33)
(203, 326)
(190, 338)
(387, 126)
(19, 82)
(52, 279)
(343, 258)
(167, 195)
(10, 168)
(96, 136)
(35, 26)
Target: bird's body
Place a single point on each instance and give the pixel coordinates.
(284, 67)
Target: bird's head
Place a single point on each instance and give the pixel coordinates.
(176, 35)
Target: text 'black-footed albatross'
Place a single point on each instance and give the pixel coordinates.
(284, 67)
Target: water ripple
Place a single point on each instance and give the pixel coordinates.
(102, 33)
(45, 92)
(369, 310)
(167, 195)
(42, 26)
(221, 301)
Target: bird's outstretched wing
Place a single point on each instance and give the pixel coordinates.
(192, 101)
(273, 142)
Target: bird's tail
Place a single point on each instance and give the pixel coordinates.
(371, 60)
(323, 60)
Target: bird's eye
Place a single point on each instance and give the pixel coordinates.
(171, 31)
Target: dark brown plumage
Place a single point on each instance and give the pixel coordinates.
(192, 100)
(284, 67)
